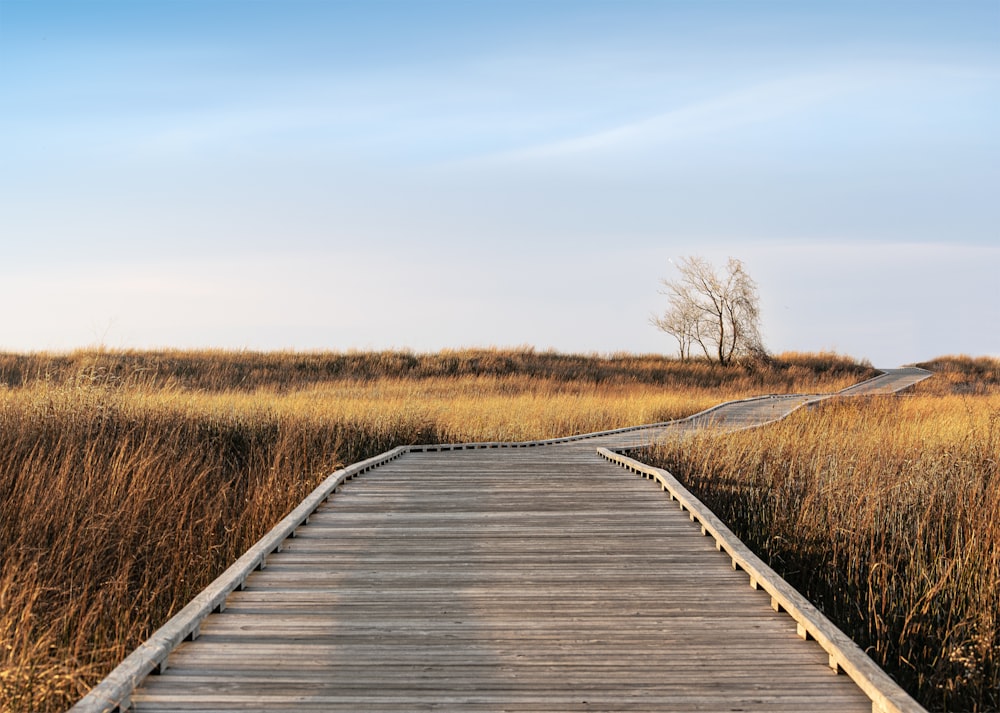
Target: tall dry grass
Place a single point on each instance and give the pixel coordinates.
(885, 512)
(115, 512)
(247, 371)
(128, 481)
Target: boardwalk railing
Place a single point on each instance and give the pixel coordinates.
(114, 692)
(845, 655)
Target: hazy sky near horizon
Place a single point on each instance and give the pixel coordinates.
(351, 175)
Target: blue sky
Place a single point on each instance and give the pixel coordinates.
(335, 175)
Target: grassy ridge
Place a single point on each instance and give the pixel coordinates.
(128, 481)
(247, 371)
(885, 512)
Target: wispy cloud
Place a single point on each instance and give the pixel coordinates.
(755, 103)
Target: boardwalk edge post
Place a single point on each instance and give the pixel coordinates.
(845, 655)
(114, 692)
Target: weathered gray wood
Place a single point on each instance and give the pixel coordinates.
(617, 600)
(890, 381)
(115, 691)
(844, 654)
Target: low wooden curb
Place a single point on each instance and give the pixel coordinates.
(844, 655)
(114, 693)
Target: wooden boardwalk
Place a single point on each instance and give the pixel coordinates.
(506, 579)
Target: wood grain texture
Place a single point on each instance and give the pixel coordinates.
(492, 580)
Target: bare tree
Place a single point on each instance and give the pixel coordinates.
(718, 314)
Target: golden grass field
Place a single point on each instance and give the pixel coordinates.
(885, 512)
(129, 480)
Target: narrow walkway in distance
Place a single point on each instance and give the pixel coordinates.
(752, 412)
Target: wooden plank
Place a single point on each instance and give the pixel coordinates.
(115, 690)
(844, 654)
(517, 596)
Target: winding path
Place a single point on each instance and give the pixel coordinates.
(507, 577)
